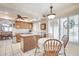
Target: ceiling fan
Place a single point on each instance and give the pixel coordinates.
(20, 17)
(26, 19)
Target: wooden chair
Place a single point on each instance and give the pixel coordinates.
(65, 40)
(52, 47)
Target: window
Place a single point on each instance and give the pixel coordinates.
(7, 27)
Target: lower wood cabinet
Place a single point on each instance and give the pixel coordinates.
(29, 42)
(18, 37)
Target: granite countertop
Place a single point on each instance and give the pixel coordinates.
(28, 34)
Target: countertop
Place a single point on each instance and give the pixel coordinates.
(29, 34)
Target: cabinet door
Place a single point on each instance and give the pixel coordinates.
(30, 25)
(27, 25)
(21, 24)
(24, 25)
(29, 43)
(22, 44)
(17, 24)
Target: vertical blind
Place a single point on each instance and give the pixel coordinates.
(66, 26)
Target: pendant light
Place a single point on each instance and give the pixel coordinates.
(51, 15)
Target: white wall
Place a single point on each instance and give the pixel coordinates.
(36, 27)
(50, 29)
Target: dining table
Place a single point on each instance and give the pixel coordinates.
(41, 48)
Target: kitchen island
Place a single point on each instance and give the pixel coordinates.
(28, 41)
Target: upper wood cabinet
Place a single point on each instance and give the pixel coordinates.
(23, 25)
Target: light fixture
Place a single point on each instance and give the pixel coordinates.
(51, 15)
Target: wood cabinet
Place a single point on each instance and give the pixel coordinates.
(23, 25)
(29, 42)
(18, 37)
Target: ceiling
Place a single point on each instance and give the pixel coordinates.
(36, 10)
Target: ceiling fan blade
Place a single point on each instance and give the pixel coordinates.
(24, 17)
(19, 17)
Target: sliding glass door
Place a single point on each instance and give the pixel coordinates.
(73, 30)
(66, 26)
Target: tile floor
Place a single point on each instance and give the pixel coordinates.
(10, 48)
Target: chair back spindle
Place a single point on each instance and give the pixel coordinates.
(52, 47)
